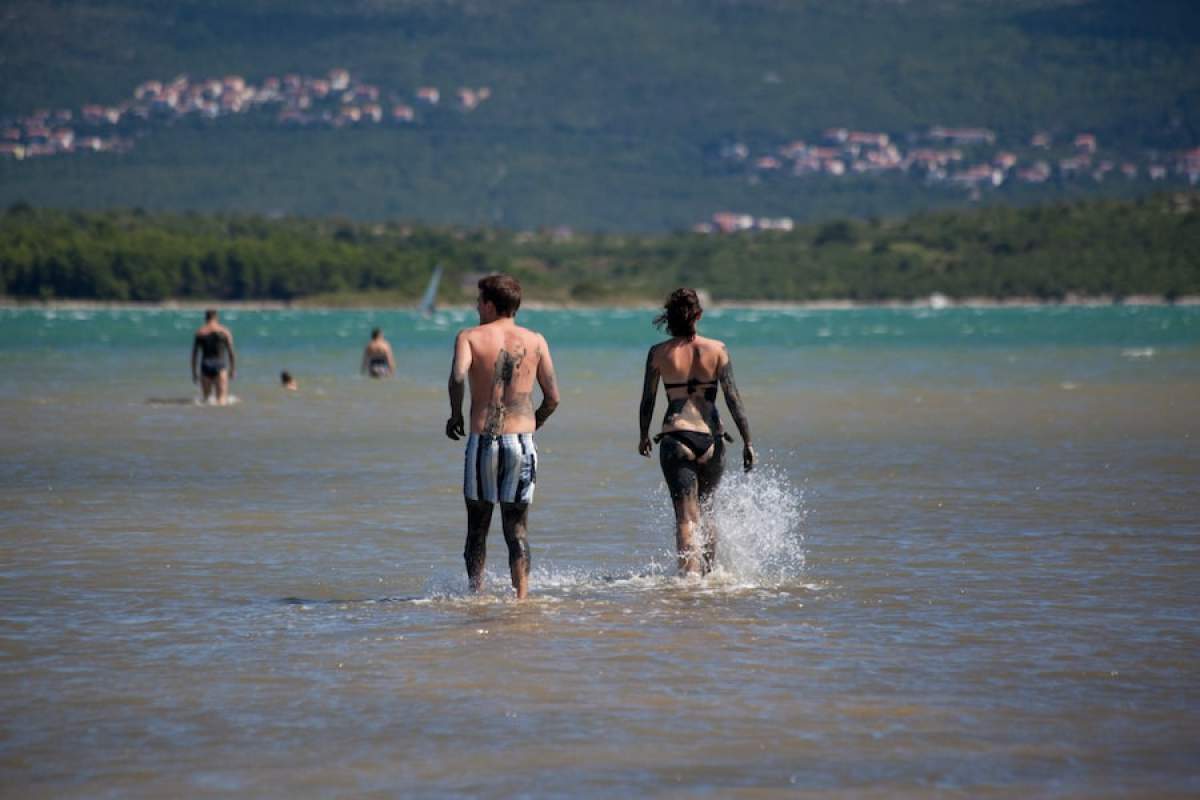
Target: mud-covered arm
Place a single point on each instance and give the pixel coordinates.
(195, 353)
(456, 385)
(737, 409)
(646, 408)
(549, 383)
(232, 355)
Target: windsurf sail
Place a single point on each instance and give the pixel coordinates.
(429, 299)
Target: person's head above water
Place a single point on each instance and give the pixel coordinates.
(503, 292)
(210, 315)
(376, 333)
(681, 312)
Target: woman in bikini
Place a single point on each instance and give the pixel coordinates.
(692, 441)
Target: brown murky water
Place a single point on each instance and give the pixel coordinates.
(969, 567)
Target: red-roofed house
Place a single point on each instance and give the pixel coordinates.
(729, 222)
(1085, 143)
(339, 79)
(867, 139)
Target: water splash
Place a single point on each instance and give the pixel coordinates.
(760, 522)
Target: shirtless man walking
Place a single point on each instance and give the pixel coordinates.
(210, 346)
(501, 360)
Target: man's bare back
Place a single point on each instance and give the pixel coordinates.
(502, 361)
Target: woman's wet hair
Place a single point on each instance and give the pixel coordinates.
(503, 292)
(680, 313)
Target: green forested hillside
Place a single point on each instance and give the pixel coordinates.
(604, 112)
(1096, 248)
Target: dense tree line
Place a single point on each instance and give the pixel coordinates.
(1094, 248)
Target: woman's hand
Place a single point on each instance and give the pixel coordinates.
(644, 446)
(748, 457)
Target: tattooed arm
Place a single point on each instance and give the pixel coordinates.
(646, 409)
(457, 385)
(733, 399)
(549, 383)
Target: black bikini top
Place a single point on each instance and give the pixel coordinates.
(710, 391)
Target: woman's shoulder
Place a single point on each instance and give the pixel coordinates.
(710, 344)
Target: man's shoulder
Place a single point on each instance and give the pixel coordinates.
(529, 332)
(534, 340)
(472, 332)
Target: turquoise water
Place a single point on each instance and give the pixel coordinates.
(967, 567)
(315, 331)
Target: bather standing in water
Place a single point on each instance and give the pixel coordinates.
(502, 361)
(692, 441)
(212, 344)
(377, 358)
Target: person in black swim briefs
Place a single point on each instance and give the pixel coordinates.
(214, 362)
(377, 360)
(692, 440)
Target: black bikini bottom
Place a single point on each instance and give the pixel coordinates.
(696, 441)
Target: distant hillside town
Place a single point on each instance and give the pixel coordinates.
(336, 100)
(966, 158)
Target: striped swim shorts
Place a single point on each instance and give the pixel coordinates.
(500, 469)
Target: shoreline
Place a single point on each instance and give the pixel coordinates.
(936, 302)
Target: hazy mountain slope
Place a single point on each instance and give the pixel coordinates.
(603, 113)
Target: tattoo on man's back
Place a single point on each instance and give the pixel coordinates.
(502, 377)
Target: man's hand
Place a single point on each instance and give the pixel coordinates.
(454, 427)
(748, 457)
(644, 446)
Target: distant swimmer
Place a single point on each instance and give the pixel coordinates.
(377, 358)
(212, 348)
(502, 361)
(692, 440)
(288, 382)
